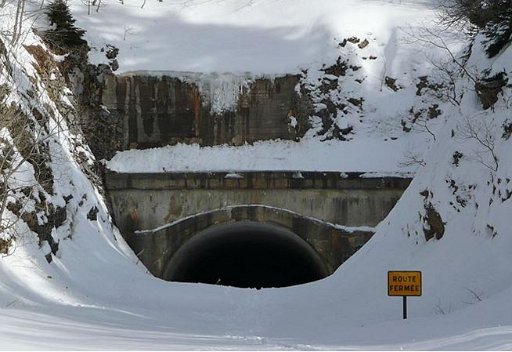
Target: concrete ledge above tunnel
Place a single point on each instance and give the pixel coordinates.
(246, 254)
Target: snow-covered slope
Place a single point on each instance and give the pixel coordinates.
(259, 36)
(379, 41)
(93, 294)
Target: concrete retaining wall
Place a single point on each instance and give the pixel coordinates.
(162, 110)
(158, 199)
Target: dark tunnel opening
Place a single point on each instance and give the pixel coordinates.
(247, 255)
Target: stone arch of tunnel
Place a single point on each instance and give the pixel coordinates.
(170, 251)
(246, 254)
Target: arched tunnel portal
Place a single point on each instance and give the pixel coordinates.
(287, 221)
(246, 246)
(246, 254)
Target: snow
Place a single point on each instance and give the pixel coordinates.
(259, 36)
(96, 295)
(362, 155)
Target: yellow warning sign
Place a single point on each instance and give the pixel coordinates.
(404, 283)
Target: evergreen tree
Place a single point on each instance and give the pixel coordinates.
(492, 17)
(498, 32)
(63, 34)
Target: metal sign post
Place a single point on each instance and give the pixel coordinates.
(404, 283)
(405, 307)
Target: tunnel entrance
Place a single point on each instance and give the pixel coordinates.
(247, 255)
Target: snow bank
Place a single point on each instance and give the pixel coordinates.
(362, 155)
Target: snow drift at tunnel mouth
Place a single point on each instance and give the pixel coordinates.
(246, 255)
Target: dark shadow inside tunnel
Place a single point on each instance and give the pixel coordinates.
(248, 255)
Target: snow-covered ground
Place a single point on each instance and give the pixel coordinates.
(95, 295)
(259, 36)
(362, 155)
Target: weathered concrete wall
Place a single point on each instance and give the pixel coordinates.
(333, 245)
(162, 110)
(158, 199)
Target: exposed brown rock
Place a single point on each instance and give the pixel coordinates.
(391, 83)
(488, 90)
(363, 44)
(435, 226)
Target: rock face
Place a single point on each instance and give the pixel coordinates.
(488, 89)
(162, 109)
